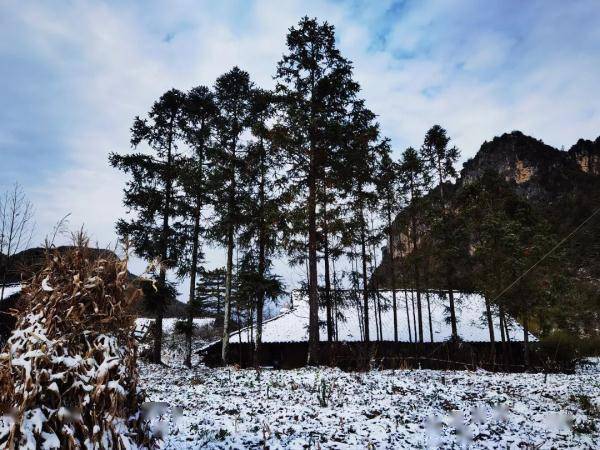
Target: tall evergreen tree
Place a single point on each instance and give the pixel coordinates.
(200, 114)
(387, 184)
(330, 226)
(360, 163)
(263, 182)
(210, 292)
(414, 183)
(440, 160)
(233, 94)
(316, 83)
(152, 193)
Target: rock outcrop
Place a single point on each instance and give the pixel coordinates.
(539, 172)
(587, 155)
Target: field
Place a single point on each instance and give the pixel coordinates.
(328, 408)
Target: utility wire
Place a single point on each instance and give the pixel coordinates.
(581, 225)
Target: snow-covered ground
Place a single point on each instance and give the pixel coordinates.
(328, 408)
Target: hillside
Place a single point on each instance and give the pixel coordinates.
(563, 186)
(25, 264)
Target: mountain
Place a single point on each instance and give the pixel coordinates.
(587, 155)
(539, 172)
(563, 186)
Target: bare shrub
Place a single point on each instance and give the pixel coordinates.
(68, 374)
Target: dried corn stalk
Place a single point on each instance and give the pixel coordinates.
(68, 374)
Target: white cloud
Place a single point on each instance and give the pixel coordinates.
(474, 70)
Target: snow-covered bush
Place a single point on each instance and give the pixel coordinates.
(68, 373)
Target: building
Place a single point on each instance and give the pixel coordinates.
(285, 336)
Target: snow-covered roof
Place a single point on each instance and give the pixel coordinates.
(292, 324)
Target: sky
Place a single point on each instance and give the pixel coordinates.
(74, 74)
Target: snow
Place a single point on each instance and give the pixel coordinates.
(11, 289)
(292, 324)
(328, 408)
(389, 409)
(46, 286)
(38, 362)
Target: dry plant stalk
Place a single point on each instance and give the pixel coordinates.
(68, 373)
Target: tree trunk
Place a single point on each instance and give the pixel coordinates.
(407, 316)
(162, 278)
(452, 311)
(364, 279)
(335, 303)
(379, 313)
(326, 268)
(488, 313)
(377, 293)
(419, 309)
(505, 355)
(377, 299)
(376, 317)
(227, 306)
(158, 333)
(392, 273)
(412, 301)
(526, 339)
(501, 317)
(429, 315)
(229, 266)
(417, 281)
(313, 295)
(262, 263)
(194, 268)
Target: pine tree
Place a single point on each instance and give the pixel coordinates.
(316, 84)
(210, 292)
(439, 161)
(414, 183)
(263, 184)
(507, 237)
(492, 236)
(233, 94)
(152, 193)
(360, 162)
(387, 190)
(200, 116)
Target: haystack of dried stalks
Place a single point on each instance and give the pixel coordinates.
(68, 375)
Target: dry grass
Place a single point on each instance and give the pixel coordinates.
(68, 373)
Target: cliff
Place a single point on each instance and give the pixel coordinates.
(562, 186)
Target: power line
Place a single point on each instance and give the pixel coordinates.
(547, 254)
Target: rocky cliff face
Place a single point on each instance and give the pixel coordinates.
(563, 186)
(539, 172)
(587, 155)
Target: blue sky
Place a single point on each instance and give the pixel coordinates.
(74, 74)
